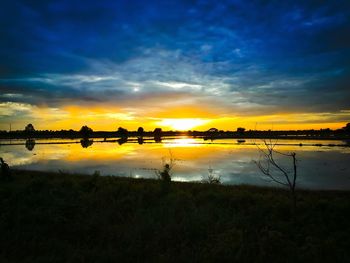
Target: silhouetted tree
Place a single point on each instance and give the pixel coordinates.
(29, 128)
(157, 132)
(213, 130)
(212, 133)
(71, 133)
(30, 143)
(269, 167)
(86, 131)
(122, 132)
(140, 131)
(240, 130)
(347, 127)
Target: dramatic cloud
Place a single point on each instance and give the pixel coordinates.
(204, 60)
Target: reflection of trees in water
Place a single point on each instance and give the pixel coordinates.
(86, 142)
(30, 143)
(140, 131)
(157, 138)
(157, 134)
(140, 140)
(122, 140)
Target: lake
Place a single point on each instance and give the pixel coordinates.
(321, 164)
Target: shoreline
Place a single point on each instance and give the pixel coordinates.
(149, 140)
(273, 188)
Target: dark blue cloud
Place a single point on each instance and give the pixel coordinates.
(272, 53)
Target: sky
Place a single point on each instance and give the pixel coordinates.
(174, 64)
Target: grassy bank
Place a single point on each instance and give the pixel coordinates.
(72, 218)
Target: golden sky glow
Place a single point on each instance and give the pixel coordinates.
(109, 68)
(182, 124)
(172, 118)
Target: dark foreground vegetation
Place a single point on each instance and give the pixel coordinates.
(73, 218)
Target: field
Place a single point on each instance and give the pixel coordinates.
(48, 217)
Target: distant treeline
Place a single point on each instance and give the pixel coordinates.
(213, 133)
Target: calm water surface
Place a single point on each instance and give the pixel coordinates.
(319, 167)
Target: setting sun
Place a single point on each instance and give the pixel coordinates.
(182, 124)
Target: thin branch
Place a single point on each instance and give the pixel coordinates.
(280, 169)
(268, 155)
(267, 173)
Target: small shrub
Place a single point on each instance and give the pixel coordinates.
(212, 178)
(165, 174)
(5, 172)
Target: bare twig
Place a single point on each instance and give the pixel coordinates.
(268, 156)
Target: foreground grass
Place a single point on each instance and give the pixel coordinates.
(72, 218)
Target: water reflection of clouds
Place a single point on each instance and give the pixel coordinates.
(319, 167)
(16, 155)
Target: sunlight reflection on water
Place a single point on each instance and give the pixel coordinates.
(325, 167)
